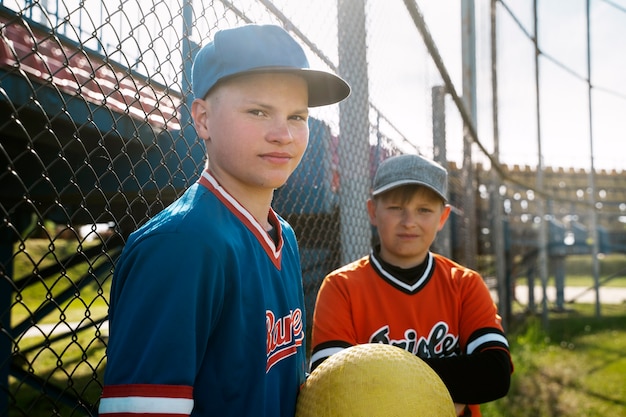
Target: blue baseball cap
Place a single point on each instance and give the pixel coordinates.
(260, 49)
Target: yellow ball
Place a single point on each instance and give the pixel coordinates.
(374, 380)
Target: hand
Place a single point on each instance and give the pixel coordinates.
(459, 408)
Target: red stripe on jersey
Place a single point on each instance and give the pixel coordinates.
(147, 390)
(153, 400)
(280, 355)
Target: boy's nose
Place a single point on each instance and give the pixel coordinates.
(280, 132)
(409, 218)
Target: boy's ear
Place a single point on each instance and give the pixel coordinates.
(444, 216)
(371, 211)
(200, 116)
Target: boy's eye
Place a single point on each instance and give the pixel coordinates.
(256, 112)
(299, 117)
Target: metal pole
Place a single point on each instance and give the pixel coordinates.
(354, 144)
(443, 241)
(469, 99)
(13, 226)
(593, 232)
(499, 248)
(7, 240)
(543, 228)
(189, 50)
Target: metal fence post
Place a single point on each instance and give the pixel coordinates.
(354, 147)
(443, 242)
(6, 291)
(498, 238)
(468, 223)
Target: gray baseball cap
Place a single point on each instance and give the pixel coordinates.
(253, 48)
(410, 169)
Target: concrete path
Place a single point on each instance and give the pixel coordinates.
(581, 295)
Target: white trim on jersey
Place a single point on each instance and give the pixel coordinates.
(325, 353)
(244, 212)
(400, 283)
(147, 405)
(489, 337)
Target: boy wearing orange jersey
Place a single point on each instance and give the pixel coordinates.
(405, 295)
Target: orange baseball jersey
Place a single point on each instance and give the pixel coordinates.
(446, 311)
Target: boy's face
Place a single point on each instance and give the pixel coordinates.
(407, 224)
(255, 128)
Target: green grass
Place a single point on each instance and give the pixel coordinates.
(71, 366)
(579, 270)
(610, 265)
(37, 254)
(576, 367)
(57, 367)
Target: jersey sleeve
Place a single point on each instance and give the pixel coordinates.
(333, 327)
(481, 325)
(483, 370)
(166, 296)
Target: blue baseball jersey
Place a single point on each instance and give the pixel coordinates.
(206, 314)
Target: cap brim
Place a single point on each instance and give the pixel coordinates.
(324, 88)
(397, 184)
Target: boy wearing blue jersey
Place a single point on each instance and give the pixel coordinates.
(207, 310)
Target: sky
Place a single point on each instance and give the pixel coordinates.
(566, 132)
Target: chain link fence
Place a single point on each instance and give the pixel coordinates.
(96, 138)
